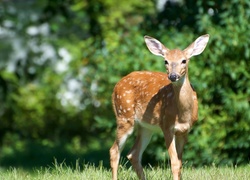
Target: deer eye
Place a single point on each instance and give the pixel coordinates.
(184, 61)
(166, 62)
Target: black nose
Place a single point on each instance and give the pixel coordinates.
(173, 77)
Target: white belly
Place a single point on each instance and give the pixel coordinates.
(150, 127)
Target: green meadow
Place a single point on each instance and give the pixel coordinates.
(61, 171)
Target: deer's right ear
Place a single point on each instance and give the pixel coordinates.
(155, 46)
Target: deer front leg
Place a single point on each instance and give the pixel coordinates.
(175, 145)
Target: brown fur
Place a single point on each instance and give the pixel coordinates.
(153, 102)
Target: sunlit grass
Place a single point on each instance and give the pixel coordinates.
(61, 171)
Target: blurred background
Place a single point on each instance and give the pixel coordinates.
(59, 62)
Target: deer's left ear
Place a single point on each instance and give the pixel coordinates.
(197, 47)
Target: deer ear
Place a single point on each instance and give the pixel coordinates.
(197, 47)
(155, 46)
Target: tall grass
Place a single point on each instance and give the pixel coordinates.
(61, 171)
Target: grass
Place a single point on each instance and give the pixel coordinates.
(61, 171)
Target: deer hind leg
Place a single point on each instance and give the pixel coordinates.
(124, 130)
(175, 144)
(135, 154)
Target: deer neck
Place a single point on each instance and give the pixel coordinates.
(183, 94)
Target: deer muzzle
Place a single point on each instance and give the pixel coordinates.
(173, 77)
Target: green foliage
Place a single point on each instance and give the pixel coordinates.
(61, 60)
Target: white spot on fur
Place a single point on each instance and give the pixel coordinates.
(128, 91)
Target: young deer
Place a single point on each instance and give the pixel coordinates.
(156, 101)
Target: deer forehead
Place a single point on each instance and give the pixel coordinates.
(175, 55)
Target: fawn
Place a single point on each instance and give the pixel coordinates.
(155, 101)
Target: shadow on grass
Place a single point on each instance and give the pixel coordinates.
(35, 155)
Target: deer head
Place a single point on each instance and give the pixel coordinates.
(176, 61)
